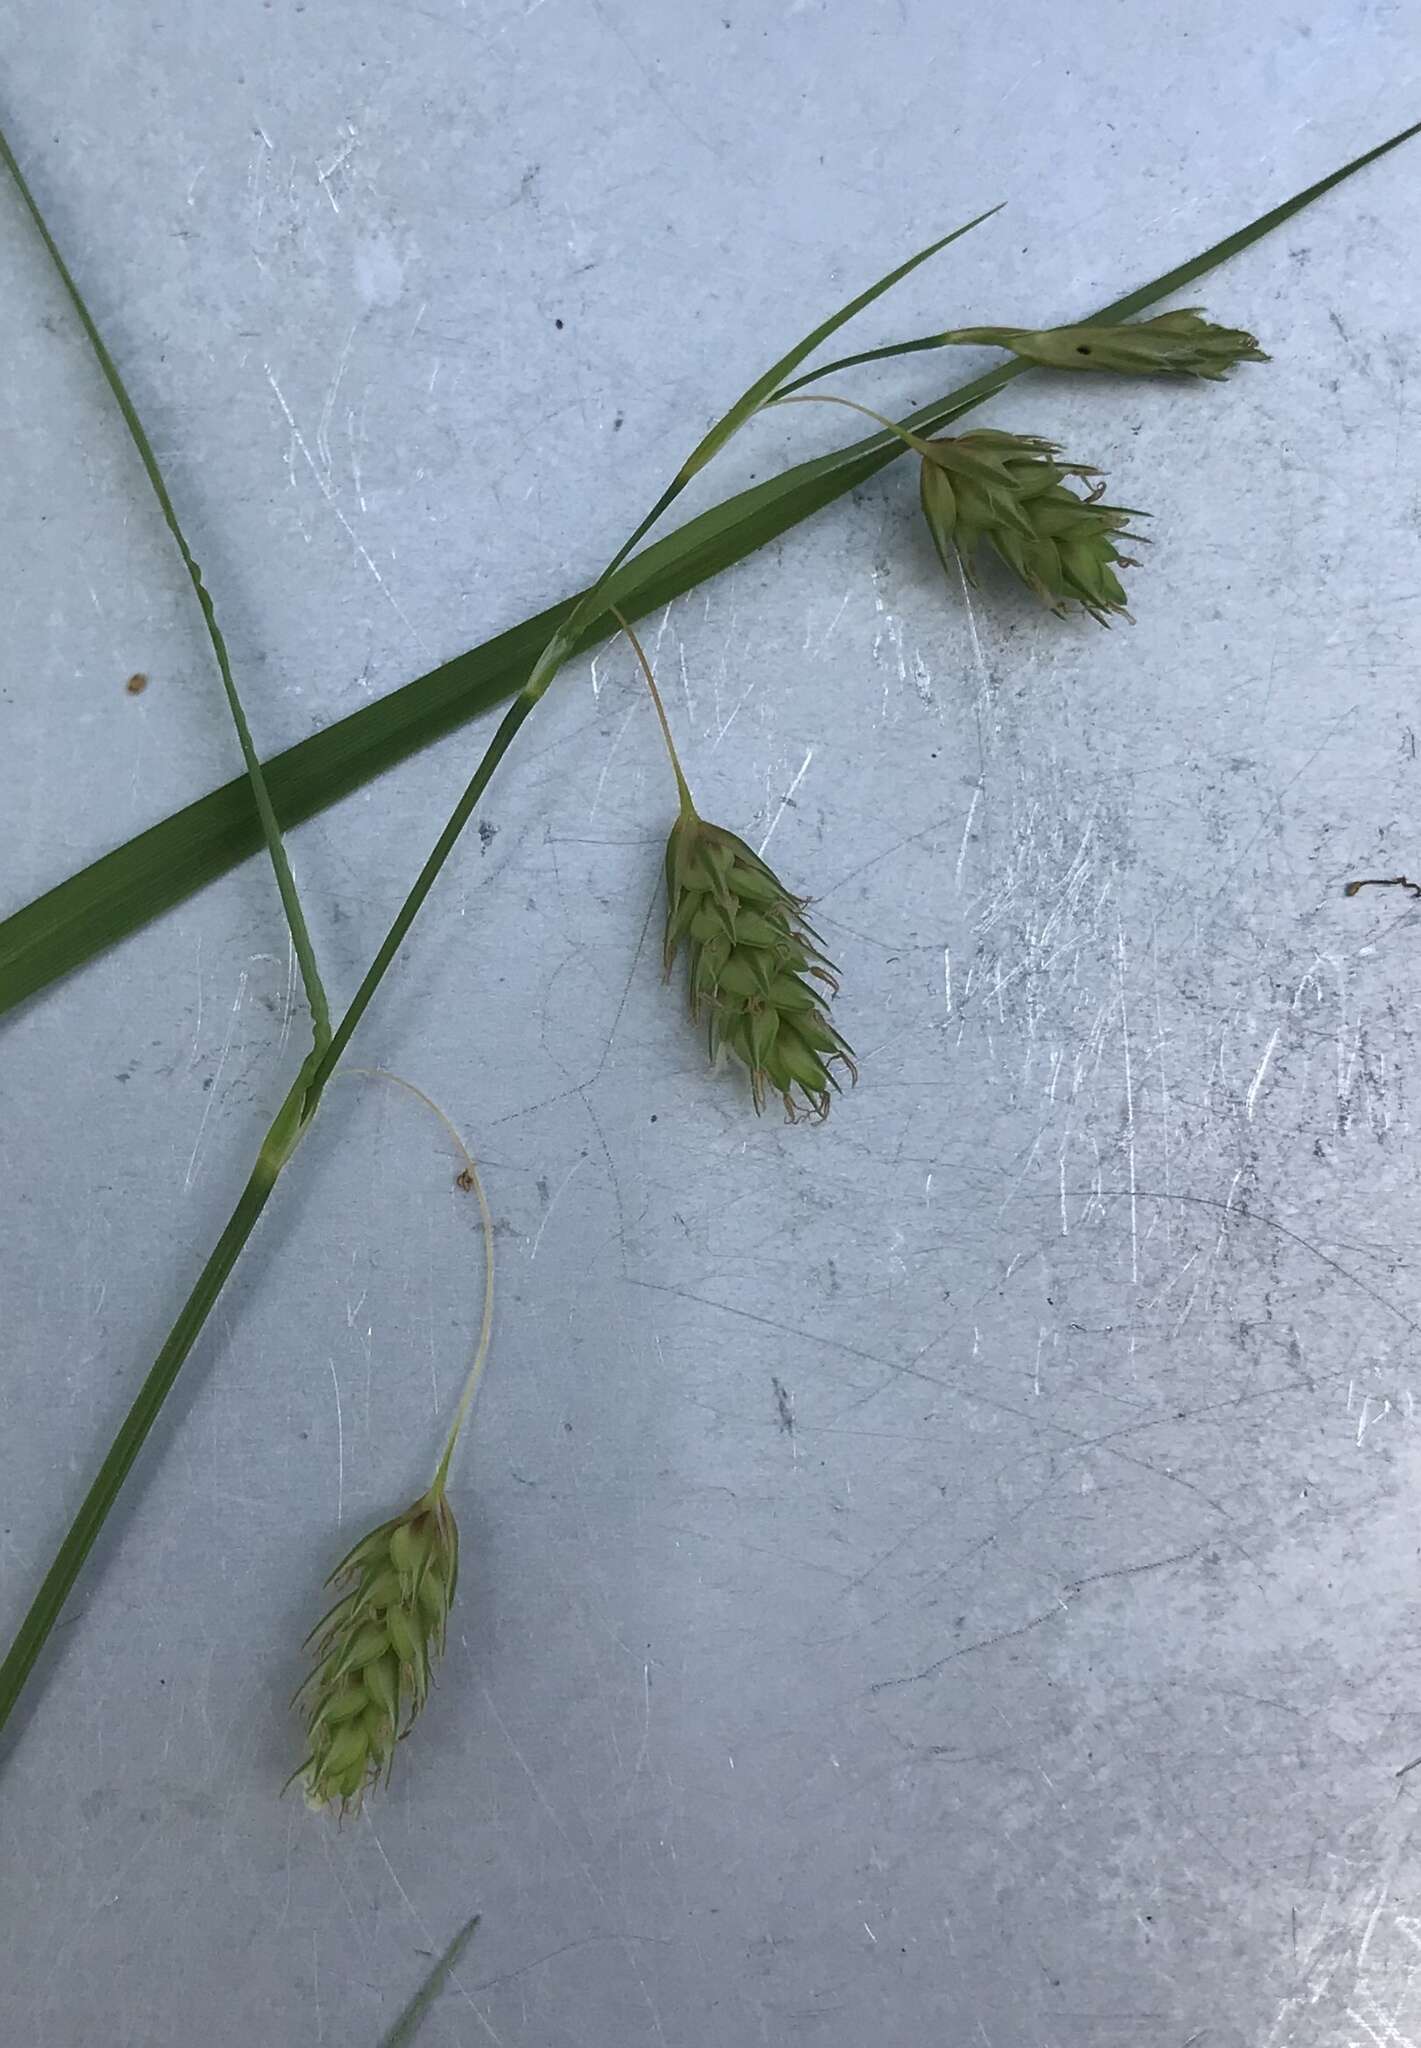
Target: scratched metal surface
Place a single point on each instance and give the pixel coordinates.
(949, 1576)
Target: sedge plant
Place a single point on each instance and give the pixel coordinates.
(376, 1647)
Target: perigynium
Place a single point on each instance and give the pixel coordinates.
(1181, 344)
(376, 1649)
(1009, 491)
(754, 961)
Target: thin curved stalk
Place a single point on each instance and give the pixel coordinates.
(474, 1180)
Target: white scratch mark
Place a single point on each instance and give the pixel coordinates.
(829, 630)
(611, 756)
(785, 801)
(870, 1933)
(324, 485)
(1371, 1926)
(979, 661)
(323, 177)
(323, 445)
(340, 1447)
(197, 1028)
(1129, 1112)
(547, 1213)
(966, 835)
(1367, 1419)
(216, 1078)
(1257, 1081)
(747, 692)
(947, 978)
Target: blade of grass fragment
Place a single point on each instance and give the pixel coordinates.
(402, 2033)
(158, 868)
(162, 866)
(266, 815)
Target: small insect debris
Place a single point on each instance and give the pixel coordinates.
(1382, 882)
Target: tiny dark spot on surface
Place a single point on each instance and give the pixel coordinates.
(784, 1405)
(558, 325)
(1082, 349)
(123, 1077)
(617, 423)
(207, 1084)
(137, 683)
(487, 834)
(567, 1429)
(541, 1184)
(464, 1180)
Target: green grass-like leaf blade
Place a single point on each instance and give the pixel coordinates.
(402, 2033)
(261, 798)
(159, 868)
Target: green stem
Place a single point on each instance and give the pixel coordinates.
(866, 355)
(271, 830)
(45, 1608)
(909, 439)
(481, 1348)
(405, 916)
(683, 788)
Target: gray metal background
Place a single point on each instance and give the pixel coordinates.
(949, 1576)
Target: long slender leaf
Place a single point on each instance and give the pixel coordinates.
(162, 866)
(266, 815)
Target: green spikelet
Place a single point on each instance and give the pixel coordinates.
(1179, 344)
(753, 966)
(1009, 490)
(375, 1650)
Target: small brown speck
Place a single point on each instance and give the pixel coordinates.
(465, 1180)
(136, 684)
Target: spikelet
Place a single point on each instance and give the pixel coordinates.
(375, 1650)
(753, 963)
(1009, 490)
(1180, 344)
